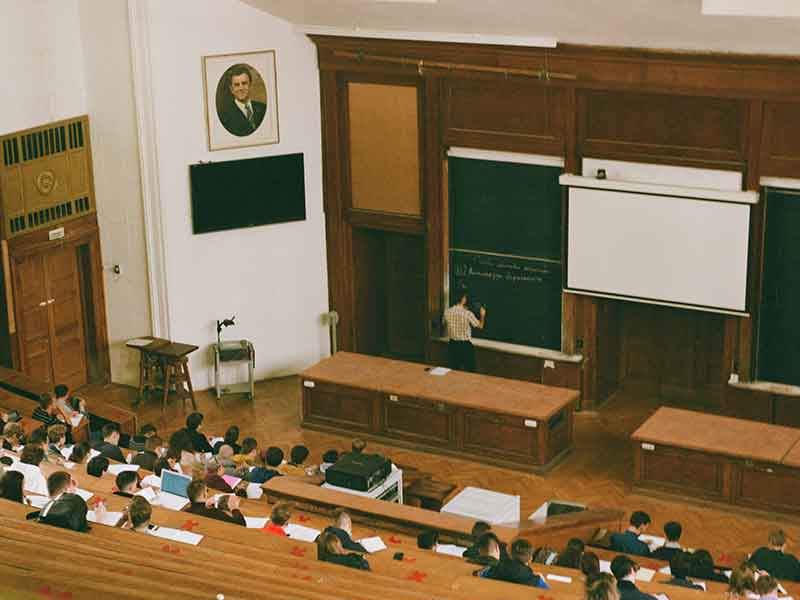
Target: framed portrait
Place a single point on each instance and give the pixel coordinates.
(241, 99)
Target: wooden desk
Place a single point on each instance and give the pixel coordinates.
(705, 456)
(764, 401)
(506, 422)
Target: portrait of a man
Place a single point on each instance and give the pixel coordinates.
(241, 99)
(239, 111)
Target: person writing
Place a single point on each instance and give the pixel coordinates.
(459, 321)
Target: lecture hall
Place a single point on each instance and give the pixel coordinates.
(512, 314)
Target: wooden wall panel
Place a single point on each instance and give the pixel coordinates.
(663, 127)
(780, 146)
(515, 115)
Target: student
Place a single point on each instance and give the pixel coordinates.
(109, 446)
(80, 453)
(273, 458)
(147, 458)
(295, 466)
(672, 531)
(97, 466)
(57, 438)
(628, 541)
(280, 516)
(624, 569)
(11, 486)
(330, 549)
(225, 458)
(38, 437)
(601, 587)
(478, 529)
(194, 422)
(165, 462)
(703, 567)
(328, 460)
(204, 506)
(358, 446)
(572, 554)
(127, 484)
(428, 540)
(488, 546)
(182, 448)
(48, 413)
(139, 441)
(229, 504)
(214, 479)
(65, 509)
(515, 569)
(30, 459)
(249, 453)
(137, 516)
(590, 565)
(774, 560)
(13, 437)
(65, 404)
(231, 438)
(680, 565)
(742, 584)
(767, 587)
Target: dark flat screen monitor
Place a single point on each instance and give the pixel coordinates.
(247, 193)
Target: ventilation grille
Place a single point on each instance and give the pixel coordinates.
(10, 152)
(43, 216)
(45, 142)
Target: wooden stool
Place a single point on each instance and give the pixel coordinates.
(176, 373)
(150, 372)
(164, 365)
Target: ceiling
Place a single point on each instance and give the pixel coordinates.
(670, 24)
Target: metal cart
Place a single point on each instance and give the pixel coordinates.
(239, 351)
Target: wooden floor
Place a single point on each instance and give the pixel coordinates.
(596, 473)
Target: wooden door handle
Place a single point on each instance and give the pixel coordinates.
(51, 300)
(43, 303)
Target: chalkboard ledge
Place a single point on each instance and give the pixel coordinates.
(543, 353)
(781, 389)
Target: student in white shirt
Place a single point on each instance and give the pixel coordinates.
(28, 465)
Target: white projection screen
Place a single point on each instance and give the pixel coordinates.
(664, 249)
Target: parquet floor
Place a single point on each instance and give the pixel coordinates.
(596, 473)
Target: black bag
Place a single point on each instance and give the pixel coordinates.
(360, 472)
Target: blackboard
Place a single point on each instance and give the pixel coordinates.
(779, 330)
(505, 246)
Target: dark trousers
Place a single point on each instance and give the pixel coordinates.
(461, 355)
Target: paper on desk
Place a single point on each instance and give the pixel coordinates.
(561, 578)
(147, 493)
(450, 550)
(215, 440)
(75, 419)
(727, 573)
(68, 465)
(93, 453)
(231, 480)
(782, 590)
(605, 566)
(171, 501)
(37, 501)
(110, 518)
(254, 491)
(301, 533)
(645, 574)
(702, 584)
(138, 342)
(152, 480)
(652, 541)
(84, 494)
(665, 570)
(256, 522)
(661, 597)
(116, 469)
(438, 371)
(177, 535)
(372, 544)
(66, 452)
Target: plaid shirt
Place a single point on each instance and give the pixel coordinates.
(460, 322)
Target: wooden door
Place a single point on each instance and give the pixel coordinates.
(66, 316)
(33, 320)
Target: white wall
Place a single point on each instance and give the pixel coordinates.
(41, 60)
(273, 278)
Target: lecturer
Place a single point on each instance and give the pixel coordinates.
(460, 320)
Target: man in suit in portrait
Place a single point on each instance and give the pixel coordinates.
(240, 114)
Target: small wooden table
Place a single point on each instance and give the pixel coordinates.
(165, 363)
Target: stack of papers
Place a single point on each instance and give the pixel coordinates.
(176, 535)
(109, 518)
(372, 544)
(116, 469)
(301, 533)
(451, 550)
(484, 505)
(256, 522)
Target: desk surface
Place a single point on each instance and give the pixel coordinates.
(718, 435)
(482, 392)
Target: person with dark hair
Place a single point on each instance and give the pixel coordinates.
(29, 461)
(489, 551)
(329, 459)
(97, 466)
(702, 567)
(202, 505)
(624, 569)
(590, 564)
(572, 554)
(427, 540)
(48, 413)
(56, 439)
(342, 528)
(680, 565)
(11, 486)
(516, 569)
(628, 541)
(767, 587)
(460, 320)
(139, 441)
(194, 422)
(109, 446)
(478, 529)
(330, 549)
(137, 516)
(273, 458)
(358, 446)
(80, 453)
(13, 436)
(182, 448)
(601, 586)
(249, 453)
(278, 519)
(295, 466)
(672, 531)
(774, 560)
(742, 583)
(65, 509)
(147, 458)
(231, 439)
(165, 462)
(240, 114)
(127, 483)
(228, 504)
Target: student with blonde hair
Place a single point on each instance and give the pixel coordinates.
(330, 549)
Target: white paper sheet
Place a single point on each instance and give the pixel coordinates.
(171, 501)
(256, 522)
(176, 535)
(152, 480)
(84, 494)
(110, 518)
(665, 570)
(652, 541)
(561, 578)
(301, 533)
(68, 465)
(148, 494)
(138, 342)
(254, 491)
(66, 452)
(645, 574)
(93, 453)
(439, 371)
(116, 469)
(76, 419)
(702, 584)
(372, 544)
(451, 550)
(37, 501)
(215, 440)
(605, 566)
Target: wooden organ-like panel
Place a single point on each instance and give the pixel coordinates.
(419, 420)
(780, 146)
(497, 434)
